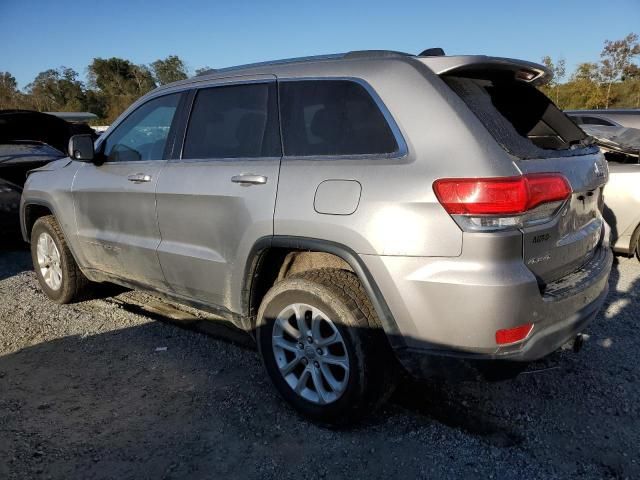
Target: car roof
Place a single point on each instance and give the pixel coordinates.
(315, 64)
(319, 64)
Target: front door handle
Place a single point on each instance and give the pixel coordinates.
(139, 178)
(249, 179)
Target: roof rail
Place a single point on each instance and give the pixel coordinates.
(333, 56)
(375, 54)
(284, 61)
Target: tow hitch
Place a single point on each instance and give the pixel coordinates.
(576, 343)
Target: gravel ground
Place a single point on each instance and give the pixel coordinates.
(102, 389)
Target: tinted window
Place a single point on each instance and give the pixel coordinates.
(143, 134)
(332, 117)
(596, 121)
(237, 121)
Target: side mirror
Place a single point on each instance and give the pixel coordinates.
(81, 148)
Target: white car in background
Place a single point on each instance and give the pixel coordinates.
(617, 132)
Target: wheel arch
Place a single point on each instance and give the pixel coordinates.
(267, 257)
(31, 210)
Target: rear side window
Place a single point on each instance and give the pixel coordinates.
(332, 117)
(235, 121)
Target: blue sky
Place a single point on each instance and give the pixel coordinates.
(37, 35)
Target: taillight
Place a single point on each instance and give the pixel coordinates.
(503, 202)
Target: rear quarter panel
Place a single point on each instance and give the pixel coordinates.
(398, 213)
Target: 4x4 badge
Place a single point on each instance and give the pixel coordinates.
(536, 260)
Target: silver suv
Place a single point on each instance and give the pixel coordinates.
(358, 214)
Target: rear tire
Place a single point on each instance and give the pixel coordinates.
(57, 272)
(332, 384)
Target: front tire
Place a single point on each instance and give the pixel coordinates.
(323, 347)
(57, 272)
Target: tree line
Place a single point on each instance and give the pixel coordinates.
(613, 81)
(114, 83)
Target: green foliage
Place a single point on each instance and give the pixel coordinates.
(10, 96)
(113, 84)
(583, 90)
(171, 69)
(56, 90)
(552, 88)
(118, 83)
(617, 58)
(614, 82)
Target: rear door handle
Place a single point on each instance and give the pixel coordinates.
(139, 178)
(249, 179)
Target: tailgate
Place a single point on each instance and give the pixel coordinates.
(540, 138)
(558, 247)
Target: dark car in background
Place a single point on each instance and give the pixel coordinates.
(30, 140)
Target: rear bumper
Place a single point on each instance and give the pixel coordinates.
(453, 307)
(424, 363)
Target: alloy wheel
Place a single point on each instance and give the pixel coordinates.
(49, 261)
(310, 353)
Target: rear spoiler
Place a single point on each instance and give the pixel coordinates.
(529, 72)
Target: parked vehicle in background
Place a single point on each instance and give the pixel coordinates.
(404, 184)
(29, 140)
(617, 132)
(622, 209)
(75, 117)
(624, 117)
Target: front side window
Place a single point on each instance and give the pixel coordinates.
(234, 121)
(332, 117)
(143, 134)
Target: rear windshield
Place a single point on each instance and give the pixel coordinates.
(520, 117)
